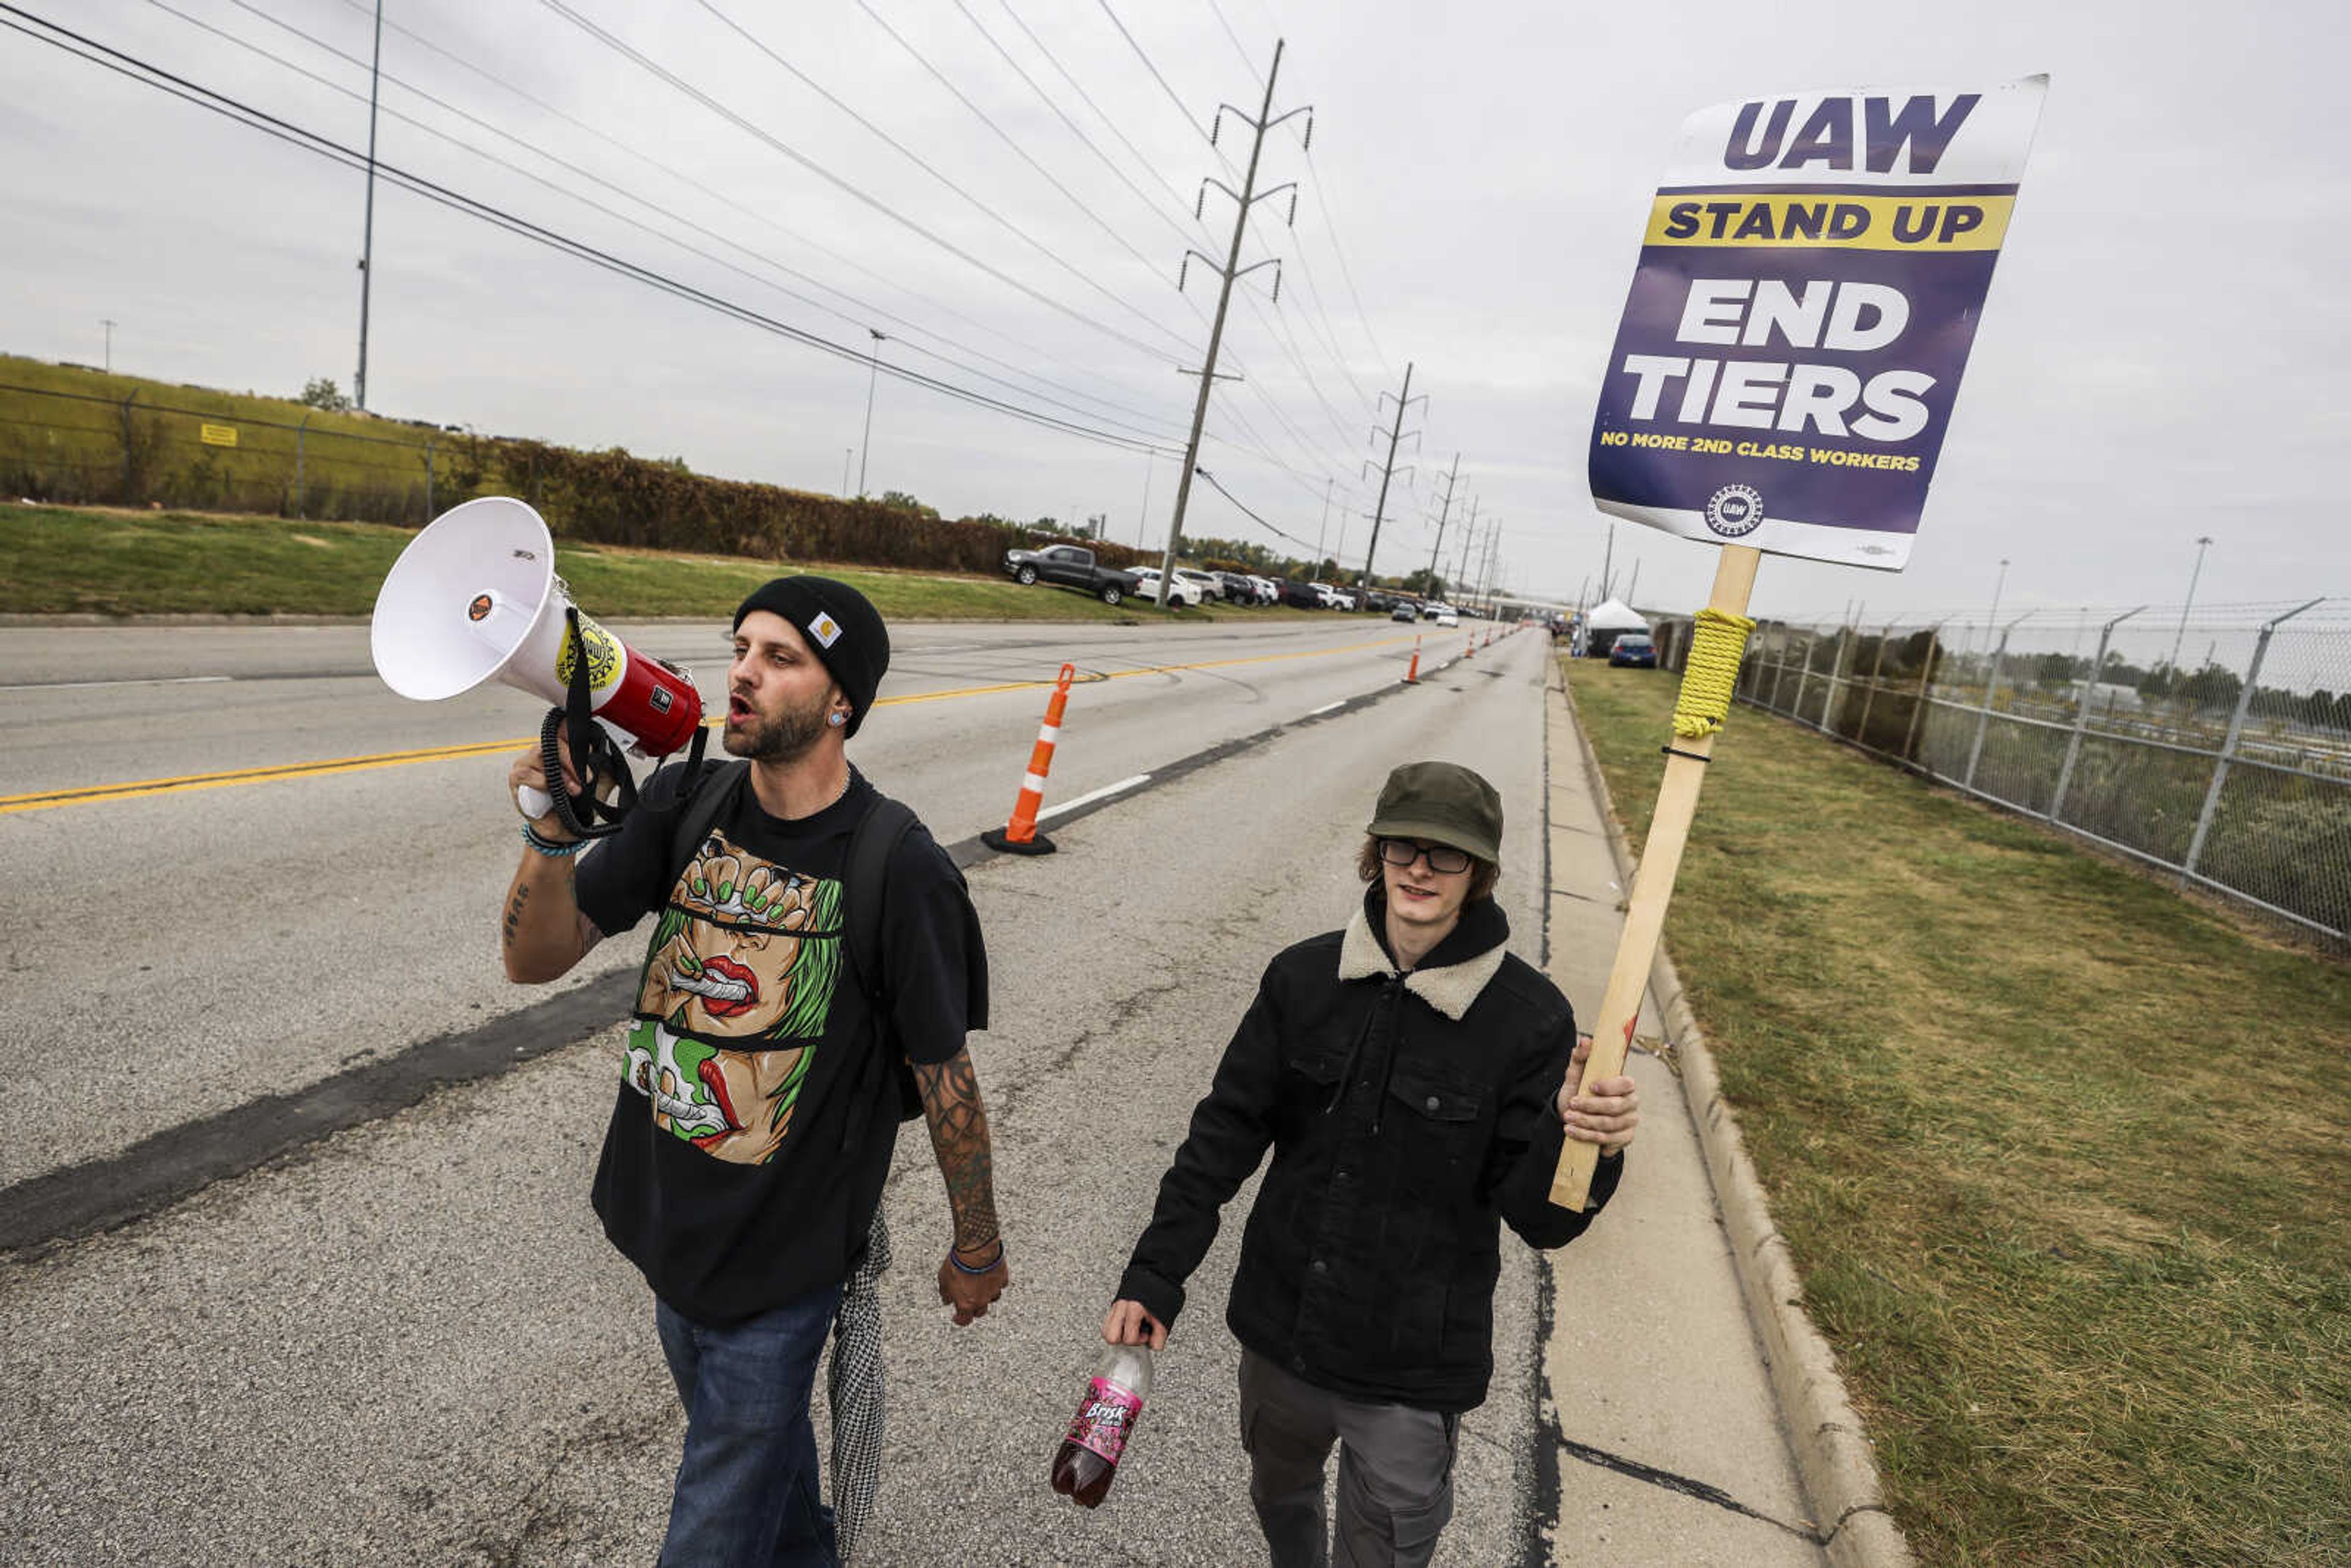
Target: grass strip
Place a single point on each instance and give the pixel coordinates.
(57, 560)
(2061, 1154)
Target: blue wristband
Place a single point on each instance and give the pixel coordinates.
(993, 1263)
(549, 847)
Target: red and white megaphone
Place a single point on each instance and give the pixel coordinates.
(474, 598)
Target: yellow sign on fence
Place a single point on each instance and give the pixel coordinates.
(217, 434)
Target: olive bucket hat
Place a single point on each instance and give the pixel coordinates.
(1440, 803)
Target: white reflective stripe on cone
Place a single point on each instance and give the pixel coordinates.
(1034, 783)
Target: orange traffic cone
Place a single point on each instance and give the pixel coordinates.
(1412, 675)
(1471, 651)
(1020, 836)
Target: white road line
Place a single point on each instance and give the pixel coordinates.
(1326, 708)
(1092, 796)
(147, 681)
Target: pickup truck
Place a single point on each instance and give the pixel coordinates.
(1072, 566)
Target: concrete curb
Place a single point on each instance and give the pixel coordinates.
(1833, 1458)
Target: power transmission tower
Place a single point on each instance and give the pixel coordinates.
(1244, 199)
(1396, 433)
(1442, 514)
(1468, 537)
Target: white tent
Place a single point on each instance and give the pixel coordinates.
(1607, 621)
(1614, 615)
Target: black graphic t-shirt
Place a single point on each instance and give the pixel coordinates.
(758, 1110)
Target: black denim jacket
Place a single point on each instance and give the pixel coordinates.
(1408, 1116)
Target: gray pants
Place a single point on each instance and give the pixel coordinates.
(1395, 1472)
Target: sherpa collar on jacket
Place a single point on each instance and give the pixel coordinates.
(1452, 974)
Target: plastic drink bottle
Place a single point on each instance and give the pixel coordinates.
(1088, 1459)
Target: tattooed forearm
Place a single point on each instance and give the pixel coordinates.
(514, 914)
(958, 1125)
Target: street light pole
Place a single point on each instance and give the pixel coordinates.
(367, 233)
(1991, 618)
(846, 454)
(872, 372)
(107, 322)
(2203, 542)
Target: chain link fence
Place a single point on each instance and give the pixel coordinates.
(80, 448)
(2217, 749)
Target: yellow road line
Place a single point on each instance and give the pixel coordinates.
(137, 789)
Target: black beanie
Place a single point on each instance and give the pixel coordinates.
(840, 627)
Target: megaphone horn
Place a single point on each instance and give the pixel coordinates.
(474, 598)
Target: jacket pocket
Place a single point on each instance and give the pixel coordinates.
(1440, 1128)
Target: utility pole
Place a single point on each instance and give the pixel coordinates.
(872, 373)
(1468, 534)
(1442, 514)
(107, 322)
(1323, 528)
(1607, 562)
(1396, 433)
(1244, 199)
(1486, 572)
(367, 233)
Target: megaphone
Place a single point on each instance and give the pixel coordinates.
(474, 598)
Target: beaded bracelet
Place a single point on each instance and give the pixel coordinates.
(964, 1268)
(549, 847)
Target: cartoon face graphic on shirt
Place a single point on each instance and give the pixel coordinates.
(748, 952)
(734, 1104)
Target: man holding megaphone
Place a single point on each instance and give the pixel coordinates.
(777, 1018)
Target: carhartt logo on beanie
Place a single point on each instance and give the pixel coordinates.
(843, 630)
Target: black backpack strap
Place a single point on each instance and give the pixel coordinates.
(697, 800)
(872, 845)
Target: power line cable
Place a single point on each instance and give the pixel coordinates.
(1204, 135)
(150, 75)
(1186, 236)
(867, 309)
(1233, 38)
(986, 209)
(1345, 272)
(666, 238)
(1172, 97)
(654, 66)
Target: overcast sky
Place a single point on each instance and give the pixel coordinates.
(2163, 354)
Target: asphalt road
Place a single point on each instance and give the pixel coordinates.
(406, 1342)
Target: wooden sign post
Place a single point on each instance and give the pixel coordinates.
(1661, 858)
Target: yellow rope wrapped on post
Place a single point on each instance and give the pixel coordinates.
(1718, 640)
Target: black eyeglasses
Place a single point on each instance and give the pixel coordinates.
(1443, 859)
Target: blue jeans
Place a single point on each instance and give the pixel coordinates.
(747, 1494)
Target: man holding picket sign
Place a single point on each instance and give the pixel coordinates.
(1808, 290)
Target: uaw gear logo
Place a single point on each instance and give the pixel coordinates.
(603, 657)
(1735, 510)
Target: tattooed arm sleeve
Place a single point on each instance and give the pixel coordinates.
(959, 1137)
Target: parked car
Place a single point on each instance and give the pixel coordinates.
(1072, 566)
(1303, 595)
(1633, 650)
(1238, 588)
(1342, 600)
(1404, 612)
(1267, 591)
(1181, 590)
(1207, 582)
(1443, 615)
